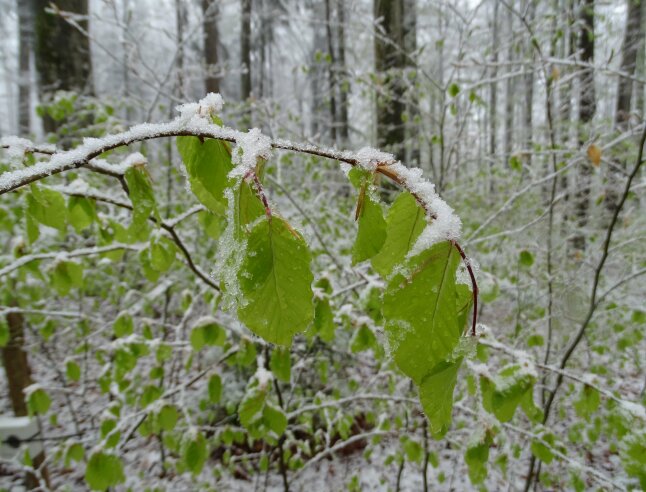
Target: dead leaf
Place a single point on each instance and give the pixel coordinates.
(594, 154)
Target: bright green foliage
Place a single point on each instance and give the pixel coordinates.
(542, 448)
(275, 419)
(81, 212)
(73, 370)
(208, 162)
(75, 452)
(526, 258)
(65, 275)
(421, 311)
(275, 282)
(104, 470)
(167, 417)
(209, 333)
(632, 451)
(162, 253)
(39, 401)
(372, 225)
(123, 325)
(477, 455)
(280, 364)
(588, 402)
(363, 339)
(436, 396)
(502, 395)
(421, 305)
(251, 405)
(47, 207)
(194, 453)
(142, 195)
(404, 223)
(215, 388)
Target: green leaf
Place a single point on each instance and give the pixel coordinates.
(39, 401)
(632, 451)
(123, 325)
(207, 332)
(421, 313)
(275, 419)
(476, 457)
(323, 325)
(436, 396)
(541, 451)
(363, 339)
(251, 406)
(142, 196)
(208, 163)
(73, 370)
(215, 388)
(194, 453)
(103, 471)
(280, 363)
(65, 275)
(515, 163)
(162, 253)
(372, 227)
(404, 223)
(588, 402)
(75, 452)
(526, 258)
(508, 390)
(47, 207)
(167, 417)
(454, 89)
(275, 282)
(81, 212)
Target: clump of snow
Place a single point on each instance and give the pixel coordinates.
(204, 321)
(32, 388)
(250, 147)
(369, 158)
(634, 409)
(263, 376)
(208, 106)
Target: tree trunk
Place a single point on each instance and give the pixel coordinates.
(18, 372)
(389, 62)
(509, 91)
(245, 57)
(493, 90)
(529, 89)
(25, 47)
(632, 40)
(331, 63)
(62, 53)
(342, 80)
(211, 40)
(587, 108)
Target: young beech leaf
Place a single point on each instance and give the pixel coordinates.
(65, 275)
(81, 212)
(436, 396)
(142, 196)
(208, 163)
(275, 282)
(280, 363)
(194, 453)
(421, 313)
(372, 229)
(47, 207)
(103, 471)
(404, 223)
(421, 308)
(477, 455)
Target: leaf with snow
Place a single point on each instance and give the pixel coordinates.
(275, 282)
(208, 163)
(404, 223)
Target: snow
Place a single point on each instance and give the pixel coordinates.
(250, 147)
(263, 376)
(369, 158)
